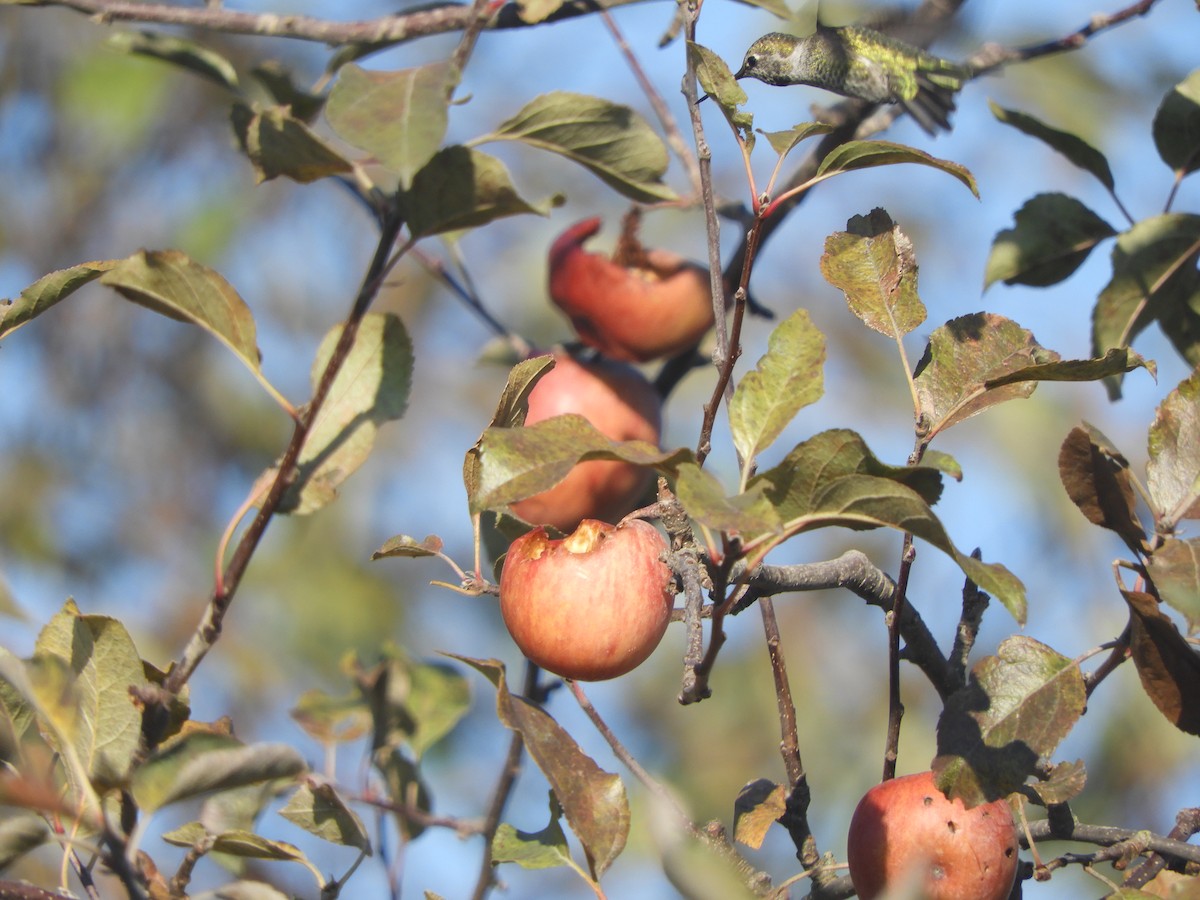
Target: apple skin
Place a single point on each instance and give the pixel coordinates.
(623, 406)
(592, 605)
(631, 314)
(906, 823)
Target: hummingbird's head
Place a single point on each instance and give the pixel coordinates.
(768, 59)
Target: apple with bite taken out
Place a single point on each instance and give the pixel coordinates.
(656, 305)
(623, 406)
(592, 605)
(906, 831)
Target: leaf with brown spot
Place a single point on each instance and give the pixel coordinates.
(1098, 482)
(1166, 663)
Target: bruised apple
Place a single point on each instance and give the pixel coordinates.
(906, 831)
(623, 406)
(647, 305)
(592, 605)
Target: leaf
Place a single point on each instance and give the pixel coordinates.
(545, 849)
(515, 463)
(784, 142)
(854, 155)
(405, 788)
(370, 389)
(461, 188)
(718, 83)
(1099, 484)
(1114, 362)
(47, 291)
(593, 800)
(16, 713)
(281, 85)
(318, 809)
(185, 54)
(1166, 663)
(1175, 570)
(1173, 470)
(874, 265)
(611, 141)
(243, 890)
(20, 834)
(535, 11)
(101, 655)
(787, 379)
(962, 357)
(413, 704)
(398, 117)
(1066, 781)
(332, 719)
(748, 514)
(252, 846)
(1052, 235)
(759, 804)
(1073, 147)
(1154, 271)
(1176, 126)
(403, 545)
(1016, 709)
(278, 143)
(203, 762)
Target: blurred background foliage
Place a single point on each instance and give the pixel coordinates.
(127, 441)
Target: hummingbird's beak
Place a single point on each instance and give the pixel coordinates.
(702, 98)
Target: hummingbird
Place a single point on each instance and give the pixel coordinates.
(860, 62)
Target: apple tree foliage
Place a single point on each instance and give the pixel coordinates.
(108, 763)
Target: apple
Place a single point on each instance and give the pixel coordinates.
(907, 830)
(656, 306)
(623, 406)
(592, 605)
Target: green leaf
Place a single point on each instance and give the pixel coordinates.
(398, 117)
(787, 379)
(1066, 781)
(593, 800)
(370, 389)
(1051, 236)
(413, 704)
(748, 514)
(1099, 483)
(611, 141)
(1114, 362)
(515, 463)
(963, 358)
(1175, 570)
(185, 54)
(1167, 664)
(461, 188)
(332, 719)
(20, 834)
(278, 143)
(1177, 126)
(545, 849)
(281, 85)
(1173, 470)
(101, 655)
(47, 291)
(872, 262)
(854, 155)
(1017, 708)
(718, 83)
(405, 788)
(203, 762)
(1073, 147)
(784, 142)
(318, 809)
(403, 545)
(16, 713)
(1154, 271)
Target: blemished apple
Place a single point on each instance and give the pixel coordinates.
(592, 605)
(651, 310)
(623, 406)
(906, 831)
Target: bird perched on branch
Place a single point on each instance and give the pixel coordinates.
(856, 61)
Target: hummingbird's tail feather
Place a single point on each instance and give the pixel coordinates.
(932, 105)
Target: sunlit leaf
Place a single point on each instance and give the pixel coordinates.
(872, 262)
(1065, 782)
(332, 719)
(718, 83)
(545, 849)
(317, 808)
(534, 11)
(854, 155)
(370, 389)
(610, 140)
(1175, 570)
(1016, 709)
(593, 800)
(398, 117)
(278, 143)
(1167, 664)
(962, 357)
(1052, 235)
(1173, 470)
(784, 142)
(403, 545)
(787, 379)
(1177, 125)
(749, 514)
(177, 51)
(1073, 147)
(757, 807)
(47, 291)
(1099, 484)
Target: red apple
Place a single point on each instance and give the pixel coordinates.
(623, 406)
(907, 830)
(592, 605)
(655, 307)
